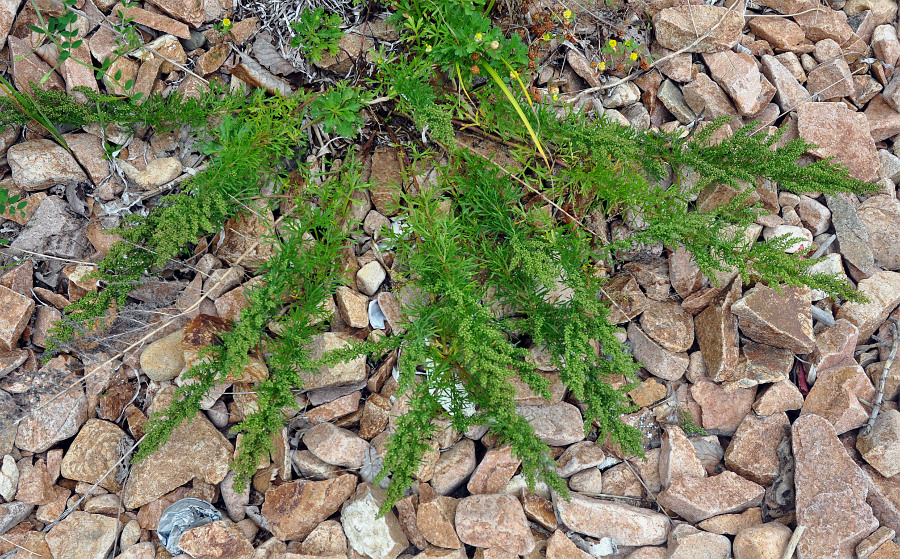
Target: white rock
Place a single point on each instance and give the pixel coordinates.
(622, 96)
(370, 277)
(40, 164)
(9, 478)
(803, 237)
(890, 165)
(164, 358)
(370, 535)
(159, 172)
(832, 265)
(625, 524)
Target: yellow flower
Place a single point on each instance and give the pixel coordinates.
(555, 97)
(567, 14)
(478, 37)
(634, 56)
(427, 48)
(226, 23)
(601, 65)
(545, 36)
(613, 43)
(513, 74)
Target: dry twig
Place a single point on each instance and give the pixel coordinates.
(879, 399)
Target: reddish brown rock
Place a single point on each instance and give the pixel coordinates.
(835, 344)
(336, 446)
(188, 11)
(881, 447)
(761, 364)
(779, 397)
(167, 468)
(375, 416)
(28, 69)
(158, 22)
(408, 519)
(559, 546)
(777, 319)
(494, 521)
(677, 456)
(788, 92)
(626, 300)
(716, 330)
(684, 275)
(687, 542)
(764, 541)
(888, 550)
(587, 482)
(436, 521)
(831, 80)
(698, 28)
(558, 424)
(732, 524)
(779, 32)
(345, 372)
(657, 360)
(647, 393)
(842, 134)
(882, 289)
(669, 325)
(831, 492)
(453, 467)
(493, 472)
(35, 486)
(93, 453)
(820, 23)
(334, 409)
(578, 457)
(295, 508)
(17, 310)
(699, 498)
(881, 217)
(884, 121)
(626, 524)
(540, 510)
(216, 540)
(707, 99)
(722, 411)
(752, 451)
(838, 394)
(82, 535)
(243, 239)
(739, 76)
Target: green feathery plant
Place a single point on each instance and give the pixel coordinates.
(304, 271)
(489, 275)
(256, 134)
(482, 250)
(57, 109)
